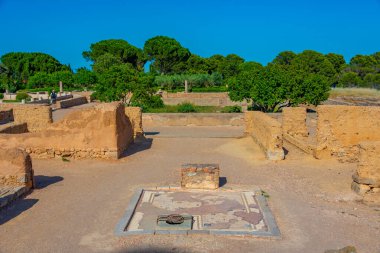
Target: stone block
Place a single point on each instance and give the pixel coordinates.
(368, 169)
(200, 176)
(294, 121)
(360, 188)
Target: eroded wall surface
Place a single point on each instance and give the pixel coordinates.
(72, 102)
(6, 116)
(267, 132)
(294, 121)
(102, 131)
(135, 116)
(340, 129)
(15, 168)
(37, 117)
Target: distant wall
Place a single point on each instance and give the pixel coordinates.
(340, 129)
(13, 128)
(71, 102)
(10, 96)
(6, 116)
(37, 117)
(267, 132)
(193, 119)
(201, 98)
(134, 114)
(102, 131)
(294, 121)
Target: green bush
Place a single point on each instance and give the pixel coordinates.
(186, 107)
(1, 95)
(231, 109)
(22, 95)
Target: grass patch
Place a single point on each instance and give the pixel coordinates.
(354, 92)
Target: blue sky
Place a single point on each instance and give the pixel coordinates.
(255, 30)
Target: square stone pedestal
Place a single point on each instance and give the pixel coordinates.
(200, 176)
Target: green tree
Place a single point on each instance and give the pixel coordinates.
(105, 62)
(337, 61)
(165, 53)
(85, 78)
(66, 77)
(284, 58)
(40, 80)
(349, 79)
(120, 49)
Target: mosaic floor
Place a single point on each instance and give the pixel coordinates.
(215, 212)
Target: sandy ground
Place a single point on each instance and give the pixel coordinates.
(77, 204)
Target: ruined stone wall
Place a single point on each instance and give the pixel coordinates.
(13, 128)
(267, 132)
(135, 116)
(199, 98)
(6, 116)
(366, 179)
(72, 102)
(15, 168)
(102, 131)
(294, 121)
(37, 117)
(193, 119)
(340, 129)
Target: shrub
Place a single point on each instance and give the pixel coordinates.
(186, 107)
(22, 95)
(1, 95)
(231, 109)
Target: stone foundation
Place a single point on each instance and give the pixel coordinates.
(267, 132)
(37, 117)
(294, 121)
(6, 116)
(71, 102)
(366, 179)
(135, 116)
(200, 176)
(340, 129)
(102, 131)
(15, 168)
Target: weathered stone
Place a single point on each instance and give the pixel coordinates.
(340, 129)
(348, 249)
(372, 199)
(360, 188)
(267, 132)
(368, 169)
(294, 121)
(200, 176)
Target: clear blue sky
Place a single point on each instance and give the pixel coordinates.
(255, 30)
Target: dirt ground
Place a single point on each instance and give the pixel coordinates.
(77, 204)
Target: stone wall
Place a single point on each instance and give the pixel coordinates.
(294, 121)
(366, 179)
(37, 117)
(71, 102)
(193, 119)
(13, 128)
(135, 116)
(15, 168)
(340, 129)
(102, 131)
(6, 116)
(267, 132)
(201, 98)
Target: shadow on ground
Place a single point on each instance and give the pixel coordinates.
(15, 209)
(138, 146)
(44, 181)
(152, 133)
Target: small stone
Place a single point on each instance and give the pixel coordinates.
(360, 188)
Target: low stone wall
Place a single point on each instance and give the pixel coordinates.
(6, 116)
(13, 128)
(199, 98)
(47, 100)
(37, 117)
(102, 131)
(366, 179)
(267, 132)
(294, 121)
(340, 129)
(193, 119)
(135, 116)
(72, 102)
(15, 168)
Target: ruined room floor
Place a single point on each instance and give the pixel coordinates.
(78, 204)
